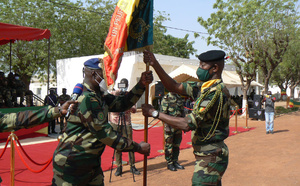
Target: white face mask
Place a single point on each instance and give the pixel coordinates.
(102, 84)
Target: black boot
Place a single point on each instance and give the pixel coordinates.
(171, 167)
(119, 171)
(177, 165)
(134, 170)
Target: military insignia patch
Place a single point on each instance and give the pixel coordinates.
(100, 116)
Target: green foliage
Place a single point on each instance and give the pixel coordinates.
(281, 110)
(75, 31)
(78, 28)
(255, 33)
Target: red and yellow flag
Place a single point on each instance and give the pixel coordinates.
(131, 28)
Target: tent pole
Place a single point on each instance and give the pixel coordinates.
(48, 65)
(10, 57)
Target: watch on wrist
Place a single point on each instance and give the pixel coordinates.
(155, 114)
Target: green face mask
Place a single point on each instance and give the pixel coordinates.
(203, 75)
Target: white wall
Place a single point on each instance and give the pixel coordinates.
(69, 72)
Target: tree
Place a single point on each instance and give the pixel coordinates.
(76, 30)
(255, 33)
(288, 72)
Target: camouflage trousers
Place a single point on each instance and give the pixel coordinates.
(128, 134)
(173, 138)
(210, 166)
(94, 177)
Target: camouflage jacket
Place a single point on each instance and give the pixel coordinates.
(202, 124)
(88, 131)
(27, 119)
(172, 104)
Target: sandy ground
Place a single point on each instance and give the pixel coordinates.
(256, 158)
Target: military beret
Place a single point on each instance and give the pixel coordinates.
(212, 55)
(93, 63)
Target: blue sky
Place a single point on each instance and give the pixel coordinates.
(184, 15)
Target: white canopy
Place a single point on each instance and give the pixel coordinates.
(188, 73)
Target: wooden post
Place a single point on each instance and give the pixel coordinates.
(146, 132)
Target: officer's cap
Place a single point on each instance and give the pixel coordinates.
(94, 63)
(212, 55)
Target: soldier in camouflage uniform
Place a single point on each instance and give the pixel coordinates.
(61, 100)
(11, 85)
(20, 90)
(77, 159)
(172, 104)
(209, 120)
(2, 79)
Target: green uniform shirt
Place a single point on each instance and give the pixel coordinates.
(88, 132)
(204, 123)
(172, 104)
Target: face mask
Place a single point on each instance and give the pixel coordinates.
(102, 84)
(203, 75)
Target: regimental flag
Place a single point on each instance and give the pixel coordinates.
(131, 28)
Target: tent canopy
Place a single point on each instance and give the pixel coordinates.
(9, 32)
(188, 73)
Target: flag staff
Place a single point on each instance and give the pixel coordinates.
(146, 131)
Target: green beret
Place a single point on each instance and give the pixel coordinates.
(212, 55)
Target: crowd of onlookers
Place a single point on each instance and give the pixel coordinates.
(12, 88)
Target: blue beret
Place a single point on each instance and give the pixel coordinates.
(92, 63)
(212, 55)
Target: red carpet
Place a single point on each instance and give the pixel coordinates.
(43, 152)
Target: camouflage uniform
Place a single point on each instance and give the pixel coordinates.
(12, 94)
(20, 91)
(209, 131)
(77, 159)
(172, 104)
(2, 79)
(27, 119)
(7, 96)
(61, 100)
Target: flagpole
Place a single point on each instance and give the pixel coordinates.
(146, 131)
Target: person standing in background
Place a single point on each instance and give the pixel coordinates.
(124, 129)
(51, 99)
(61, 100)
(269, 112)
(172, 104)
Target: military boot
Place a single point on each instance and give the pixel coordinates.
(134, 170)
(119, 171)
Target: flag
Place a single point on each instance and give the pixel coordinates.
(131, 28)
